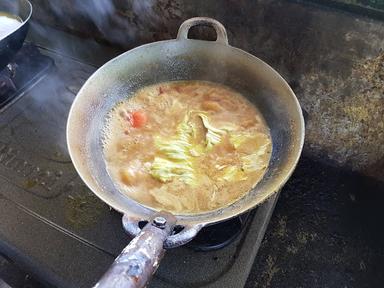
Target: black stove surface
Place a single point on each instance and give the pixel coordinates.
(28, 66)
(56, 229)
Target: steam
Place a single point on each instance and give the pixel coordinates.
(99, 11)
(124, 23)
(46, 108)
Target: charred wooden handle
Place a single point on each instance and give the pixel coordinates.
(136, 264)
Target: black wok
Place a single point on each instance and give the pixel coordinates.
(178, 59)
(14, 41)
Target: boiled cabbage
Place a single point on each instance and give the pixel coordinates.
(254, 162)
(176, 160)
(232, 173)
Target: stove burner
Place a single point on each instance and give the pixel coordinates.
(28, 66)
(219, 235)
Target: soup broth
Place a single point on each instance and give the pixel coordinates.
(186, 146)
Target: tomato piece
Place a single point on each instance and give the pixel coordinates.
(139, 119)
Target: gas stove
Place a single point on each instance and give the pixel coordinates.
(52, 226)
(28, 66)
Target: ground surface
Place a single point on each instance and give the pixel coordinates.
(326, 231)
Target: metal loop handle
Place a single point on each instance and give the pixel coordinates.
(183, 237)
(131, 226)
(219, 28)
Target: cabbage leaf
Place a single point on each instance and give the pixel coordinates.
(253, 162)
(176, 160)
(177, 154)
(232, 173)
(237, 139)
(165, 170)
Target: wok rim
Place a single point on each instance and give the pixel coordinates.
(212, 216)
(24, 21)
(30, 11)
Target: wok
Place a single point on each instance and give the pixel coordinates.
(178, 59)
(14, 41)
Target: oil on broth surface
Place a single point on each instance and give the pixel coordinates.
(186, 146)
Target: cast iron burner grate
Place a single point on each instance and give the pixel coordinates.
(219, 235)
(28, 66)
